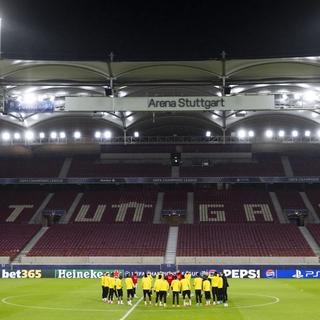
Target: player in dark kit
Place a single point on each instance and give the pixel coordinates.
(225, 286)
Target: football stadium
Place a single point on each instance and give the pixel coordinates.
(125, 185)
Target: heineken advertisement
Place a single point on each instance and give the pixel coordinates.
(100, 104)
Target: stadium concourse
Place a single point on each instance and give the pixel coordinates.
(177, 164)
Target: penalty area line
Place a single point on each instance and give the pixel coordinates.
(130, 310)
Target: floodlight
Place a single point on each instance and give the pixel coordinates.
(29, 135)
(281, 133)
(241, 133)
(107, 134)
(62, 135)
(294, 133)
(208, 134)
(136, 134)
(307, 133)
(269, 133)
(5, 136)
(77, 134)
(17, 136)
(42, 135)
(251, 133)
(97, 134)
(53, 135)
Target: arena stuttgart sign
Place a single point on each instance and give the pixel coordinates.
(101, 104)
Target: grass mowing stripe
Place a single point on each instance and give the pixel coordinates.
(131, 309)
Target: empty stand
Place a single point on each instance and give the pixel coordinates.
(20, 205)
(174, 200)
(242, 240)
(290, 200)
(102, 240)
(92, 167)
(14, 237)
(315, 231)
(314, 197)
(126, 206)
(305, 166)
(262, 166)
(34, 167)
(233, 206)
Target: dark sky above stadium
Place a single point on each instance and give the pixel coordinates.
(162, 30)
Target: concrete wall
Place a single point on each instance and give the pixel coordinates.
(247, 260)
(93, 260)
(4, 260)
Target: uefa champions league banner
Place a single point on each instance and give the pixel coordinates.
(95, 272)
(153, 104)
(13, 105)
(158, 180)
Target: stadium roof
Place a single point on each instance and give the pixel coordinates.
(285, 77)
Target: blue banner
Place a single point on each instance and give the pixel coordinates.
(305, 273)
(13, 105)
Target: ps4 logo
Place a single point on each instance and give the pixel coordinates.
(307, 274)
(298, 274)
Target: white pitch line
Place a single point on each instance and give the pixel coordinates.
(131, 309)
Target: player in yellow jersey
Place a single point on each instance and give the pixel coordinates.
(129, 285)
(220, 289)
(157, 285)
(186, 291)
(146, 284)
(118, 285)
(176, 289)
(112, 284)
(206, 287)
(188, 277)
(103, 282)
(164, 287)
(214, 284)
(197, 282)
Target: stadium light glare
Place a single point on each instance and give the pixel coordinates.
(294, 133)
(136, 134)
(307, 133)
(208, 134)
(62, 135)
(77, 134)
(97, 134)
(42, 135)
(318, 133)
(310, 96)
(17, 136)
(281, 133)
(251, 133)
(29, 98)
(297, 96)
(269, 133)
(53, 135)
(6, 136)
(241, 134)
(29, 135)
(107, 134)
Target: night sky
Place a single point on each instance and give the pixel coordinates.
(161, 30)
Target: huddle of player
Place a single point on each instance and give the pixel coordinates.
(213, 285)
(112, 286)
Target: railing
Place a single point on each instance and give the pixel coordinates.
(130, 140)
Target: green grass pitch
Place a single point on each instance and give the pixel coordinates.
(258, 299)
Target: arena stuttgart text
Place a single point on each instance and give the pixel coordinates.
(187, 103)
